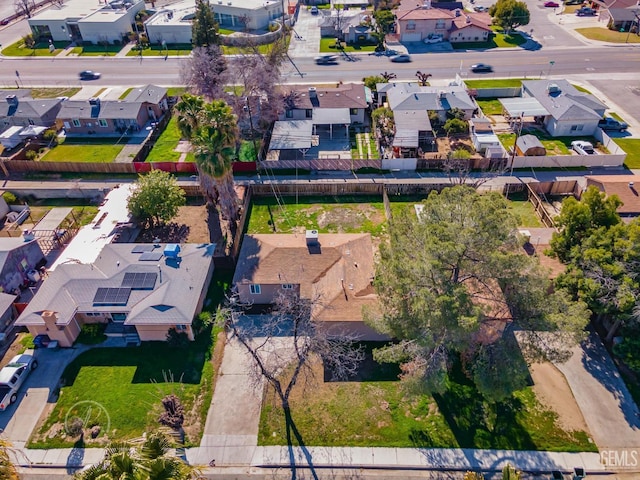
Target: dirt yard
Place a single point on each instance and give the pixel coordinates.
(552, 390)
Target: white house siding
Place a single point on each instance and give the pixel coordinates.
(97, 31)
(170, 33)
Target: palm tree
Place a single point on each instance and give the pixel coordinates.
(423, 78)
(213, 132)
(388, 76)
(150, 461)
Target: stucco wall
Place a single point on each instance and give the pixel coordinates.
(158, 333)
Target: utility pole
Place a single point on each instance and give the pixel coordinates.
(518, 132)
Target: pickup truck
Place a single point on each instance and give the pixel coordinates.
(609, 123)
(13, 375)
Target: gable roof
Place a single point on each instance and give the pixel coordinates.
(104, 109)
(172, 300)
(626, 187)
(348, 95)
(567, 103)
(403, 96)
(148, 93)
(479, 20)
(525, 142)
(9, 244)
(341, 273)
(29, 107)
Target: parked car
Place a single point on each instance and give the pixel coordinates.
(585, 11)
(480, 8)
(401, 58)
(433, 38)
(583, 147)
(574, 2)
(4, 21)
(13, 376)
(326, 59)
(41, 341)
(314, 10)
(551, 4)
(481, 67)
(88, 75)
(609, 123)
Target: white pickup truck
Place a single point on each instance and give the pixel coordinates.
(13, 375)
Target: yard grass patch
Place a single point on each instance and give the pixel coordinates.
(128, 383)
(164, 148)
(499, 83)
(263, 49)
(99, 50)
(175, 49)
(632, 147)
(378, 413)
(90, 153)
(54, 92)
(605, 35)
(496, 40)
(41, 49)
(328, 45)
(553, 145)
(523, 210)
(490, 106)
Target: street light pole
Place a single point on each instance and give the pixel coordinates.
(551, 64)
(635, 20)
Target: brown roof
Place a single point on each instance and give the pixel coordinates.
(341, 273)
(479, 19)
(619, 185)
(426, 14)
(348, 95)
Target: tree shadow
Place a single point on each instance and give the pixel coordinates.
(75, 457)
(293, 432)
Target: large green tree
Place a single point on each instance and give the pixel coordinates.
(213, 132)
(454, 282)
(204, 29)
(150, 461)
(155, 198)
(509, 14)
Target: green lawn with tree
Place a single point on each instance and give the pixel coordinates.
(89, 153)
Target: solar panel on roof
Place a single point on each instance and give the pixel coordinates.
(139, 280)
(111, 296)
(150, 256)
(142, 248)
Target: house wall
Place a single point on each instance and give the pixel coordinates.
(230, 15)
(13, 272)
(417, 30)
(267, 293)
(93, 124)
(169, 32)
(114, 31)
(65, 335)
(471, 33)
(7, 317)
(564, 128)
(296, 114)
(57, 28)
(158, 333)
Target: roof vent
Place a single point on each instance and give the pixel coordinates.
(553, 88)
(458, 12)
(94, 101)
(12, 99)
(631, 185)
(313, 93)
(313, 245)
(442, 94)
(468, 19)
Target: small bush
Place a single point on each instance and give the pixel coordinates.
(74, 427)
(173, 415)
(177, 339)
(31, 155)
(92, 334)
(10, 198)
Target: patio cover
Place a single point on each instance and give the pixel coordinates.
(32, 131)
(331, 116)
(406, 139)
(526, 106)
(52, 220)
(291, 135)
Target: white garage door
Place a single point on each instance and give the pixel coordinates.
(411, 37)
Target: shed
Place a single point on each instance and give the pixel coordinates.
(10, 138)
(530, 146)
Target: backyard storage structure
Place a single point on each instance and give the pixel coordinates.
(530, 146)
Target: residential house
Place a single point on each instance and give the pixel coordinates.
(339, 268)
(618, 15)
(89, 22)
(349, 27)
(417, 23)
(328, 107)
(625, 187)
(172, 23)
(139, 289)
(568, 110)
(104, 117)
(19, 258)
(23, 111)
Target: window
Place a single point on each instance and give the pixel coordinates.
(411, 25)
(76, 122)
(31, 122)
(103, 122)
(255, 289)
(440, 24)
(181, 328)
(287, 286)
(576, 128)
(289, 114)
(354, 111)
(309, 113)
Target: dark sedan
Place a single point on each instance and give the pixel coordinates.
(89, 75)
(481, 67)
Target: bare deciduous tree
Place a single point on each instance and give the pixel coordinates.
(289, 339)
(205, 72)
(25, 7)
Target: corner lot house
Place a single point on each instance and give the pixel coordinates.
(568, 110)
(337, 267)
(172, 23)
(142, 288)
(95, 116)
(23, 111)
(82, 21)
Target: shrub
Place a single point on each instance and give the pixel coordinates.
(201, 321)
(454, 125)
(173, 415)
(31, 155)
(10, 198)
(177, 339)
(51, 136)
(74, 427)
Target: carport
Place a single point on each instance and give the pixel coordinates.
(331, 117)
(48, 233)
(522, 107)
(291, 136)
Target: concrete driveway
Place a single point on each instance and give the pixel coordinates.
(606, 404)
(19, 420)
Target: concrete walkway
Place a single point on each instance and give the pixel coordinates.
(307, 41)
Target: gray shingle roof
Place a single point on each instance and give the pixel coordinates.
(72, 287)
(105, 110)
(28, 107)
(406, 97)
(566, 104)
(148, 93)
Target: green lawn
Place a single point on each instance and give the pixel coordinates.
(554, 145)
(177, 49)
(18, 49)
(605, 35)
(496, 40)
(125, 93)
(328, 45)
(264, 49)
(128, 383)
(490, 106)
(499, 83)
(164, 149)
(54, 92)
(524, 211)
(580, 89)
(632, 147)
(99, 50)
(377, 413)
(175, 91)
(90, 153)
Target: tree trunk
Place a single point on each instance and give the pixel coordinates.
(227, 198)
(612, 331)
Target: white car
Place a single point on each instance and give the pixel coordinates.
(433, 38)
(582, 147)
(13, 376)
